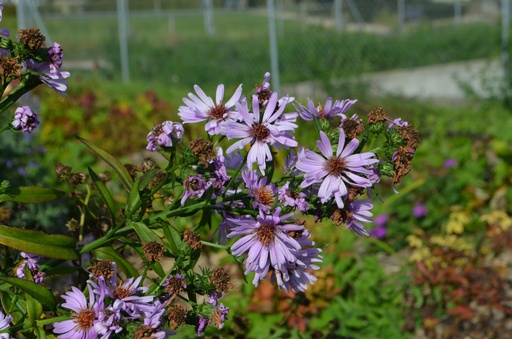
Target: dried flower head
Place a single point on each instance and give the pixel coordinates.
(147, 164)
(104, 268)
(410, 135)
(402, 163)
(203, 149)
(192, 239)
(175, 284)
(177, 315)
(5, 214)
(352, 126)
(10, 68)
(377, 115)
(153, 251)
(221, 280)
(62, 172)
(32, 38)
(73, 225)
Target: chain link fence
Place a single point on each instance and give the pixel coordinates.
(182, 42)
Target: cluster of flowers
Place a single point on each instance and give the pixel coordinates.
(326, 182)
(25, 63)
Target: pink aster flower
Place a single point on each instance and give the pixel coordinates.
(202, 107)
(264, 194)
(266, 242)
(81, 326)
(260, 131)
(328, 111)
(335, 172)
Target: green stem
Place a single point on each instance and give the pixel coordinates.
(26, 85)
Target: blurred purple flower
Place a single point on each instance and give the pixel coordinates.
(420, 210)
(30, 260)
(25, 119)
(380, 231)
(451, 162)
(56, 55)
(50, 75)
(5, 323)
(201, 325)
(163, 135)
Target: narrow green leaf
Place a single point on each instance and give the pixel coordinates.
(134, 200)
(36, 242)
(145, 179)
(111, 254)
(105, 194)
(145, 234)
(30, 194)
(116, 165)
(157, 267)
(173, 238)
(38, 292)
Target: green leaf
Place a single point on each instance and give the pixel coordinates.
(145, 234)
(34, 309)
(173, 237)
(36, 242)
(105, 194)
(38, 292)
(30, 194)
(111, 254)
(145, 179)
(157, 267)
(116, 165)
(134, 200)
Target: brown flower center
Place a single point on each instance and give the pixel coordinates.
(260, 132)
(217, 112)
(85, 319)
(321, 112)
(265, 196)
(266, 234)
(335, 166)
(121, 292)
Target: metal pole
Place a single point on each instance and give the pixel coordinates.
(31, 6)
(280, 24)
(208, 17)
(457, 9)
(505, 37)
(401, 15)
(274, 58)
(20, 14)
(338, 14)
(122, 9)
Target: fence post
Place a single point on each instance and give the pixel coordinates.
(274, 57)
(123, 39)
(401, 15)
(208, 17)
(457, 9)
(20, 14)
(338, 15)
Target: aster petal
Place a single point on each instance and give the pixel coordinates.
(239, 144)
(206, 99)
(235, 97)
(341, 143)
(350, 148)
(324, 145)
(219, 95)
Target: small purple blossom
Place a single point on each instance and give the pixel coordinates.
(451, 162)
(25, 119)
(30, 260)
(194, 186)
(260, 131)
(358, 212)
(201, 325)
(164, 135)
(328, 111)
(335, 171)
(380, 231)
(292, 198)
(5, 323)
(56, 55)
(50, 75)
(202, 107)
(220, 315)
(397, 122)
(419, 210)
(264, 194)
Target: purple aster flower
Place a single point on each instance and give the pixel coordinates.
(153, 316)
(25, 119)
(109, 322)
(4, 32)
(194, 186)
(397, 122)
(264, 194)
(30, 260)
(328, 111)
(219, 316)
(292, 198)
(201, 325)
(260, 131)
(450, 163)
(297, 276)
(203, 108)
(381, 220)
(163, 135)
(50, 75)
(357, 212)
(56, 55)
(420, 210)
(335, 172)
(85, 314)
(344, 106)
(266, 241)
(5, 322)
(380, 231)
